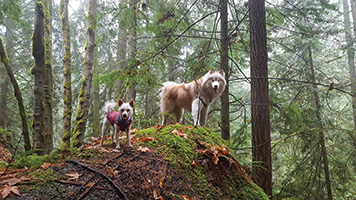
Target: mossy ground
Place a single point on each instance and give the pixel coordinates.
(182, 163)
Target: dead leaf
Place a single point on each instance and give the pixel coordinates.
(194, 164)
(73, 176)
(180, 133)
(186, 197)
(7, 189)
(155, 195)
(145, 139)
(45, 165)
(133, 130)
(143, 149)
(161, 182)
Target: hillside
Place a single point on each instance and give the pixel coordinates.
(167, 162)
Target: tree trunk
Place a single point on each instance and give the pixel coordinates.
(9, 41)
(48, 84)
(321, 133)
(84, 94)
(224, 64)
(18, 96)
(96, 128)
(132, 52)
(121, 59)
(42, 89)
(350, 51)
(261, 142)
(67, 87)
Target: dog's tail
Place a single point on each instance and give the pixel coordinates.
(108, 106)
(167, 85)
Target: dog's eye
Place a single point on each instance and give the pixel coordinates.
(122, 110)
(128, 110)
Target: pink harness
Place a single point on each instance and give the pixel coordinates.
(114, 117)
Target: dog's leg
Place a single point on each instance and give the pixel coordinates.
(103, 130)
(128, 135)
(116, 136)
(204, 114)
(164, 119)
(178, 112)
(196, 108)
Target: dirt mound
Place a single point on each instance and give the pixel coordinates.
(167, 162)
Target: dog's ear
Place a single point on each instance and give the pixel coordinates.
(211, 71)
(120, 102)
(131, 103)
(222, 72)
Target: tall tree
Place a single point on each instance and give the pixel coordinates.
(42, 120)
(96, 128)
(67, 97)
(9, 41)
(121, 57)
(224, 64)
(84, 94)
(132, 52)
(261, 142)
(4, 59)
(350, 51)
(321, 133)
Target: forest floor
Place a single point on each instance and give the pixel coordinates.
(96, 172)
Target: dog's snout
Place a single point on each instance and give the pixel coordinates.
(124, 115)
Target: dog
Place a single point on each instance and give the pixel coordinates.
(119, 120)
(195, 97)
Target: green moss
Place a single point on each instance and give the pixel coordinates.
(40, 178)
(180, 153)
(32, 160)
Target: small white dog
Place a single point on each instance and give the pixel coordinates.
(119, 120)
(195, 96)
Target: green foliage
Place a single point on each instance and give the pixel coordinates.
(32, 160)
(10, 9)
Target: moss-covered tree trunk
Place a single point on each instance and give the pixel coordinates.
(84, 94)
(48, 84)
(42, 115)
(224, 64)
(18, 95)
(67, 97)
(96, 127)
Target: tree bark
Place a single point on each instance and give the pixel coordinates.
(84, 94)
(321, 133)
(350, 52)
(132, 52)
(67, 87)
(42, 119)
(18, 95)
(96, 128)
(261, 138)
(224, 64)
(48, 84)
(121, 59)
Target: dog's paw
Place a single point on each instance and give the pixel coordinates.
(128, 145)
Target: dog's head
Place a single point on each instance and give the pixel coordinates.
(215, 80)
(125, 109)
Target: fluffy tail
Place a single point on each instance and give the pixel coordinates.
(166, 85)
(108, 106)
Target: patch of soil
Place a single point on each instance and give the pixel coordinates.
(139, 175)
